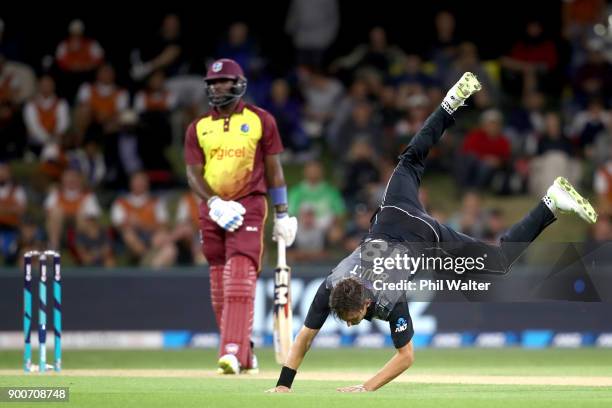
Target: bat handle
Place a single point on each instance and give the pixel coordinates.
(282, 248)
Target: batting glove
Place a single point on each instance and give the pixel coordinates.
(228, 214)
(285, 227)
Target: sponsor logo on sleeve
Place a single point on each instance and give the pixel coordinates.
(401, 325)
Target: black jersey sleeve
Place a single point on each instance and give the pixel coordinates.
(400, 324)
(319, 309)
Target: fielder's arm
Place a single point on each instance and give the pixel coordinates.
(298, 350)
(400, 325)
(317, 314)
(400, 362)
(302, 344)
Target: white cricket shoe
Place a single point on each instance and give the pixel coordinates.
(229, 364)
(467, 85)
(568, 200)
(254, 367)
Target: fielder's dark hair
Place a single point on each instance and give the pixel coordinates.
(349, 295)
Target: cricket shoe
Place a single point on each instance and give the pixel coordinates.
(228, 364)
(567, 200)
(254, 369)
(467, 85)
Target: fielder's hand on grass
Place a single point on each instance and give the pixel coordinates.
(352, 388)
(280, 388)
(228, 214)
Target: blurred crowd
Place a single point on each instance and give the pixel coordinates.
(94, 167)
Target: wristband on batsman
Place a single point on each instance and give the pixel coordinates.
(279, 199)
(286, 377)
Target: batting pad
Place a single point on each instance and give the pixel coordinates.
(239, 276)
(216, 291)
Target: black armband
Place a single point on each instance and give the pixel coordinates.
(286, 377)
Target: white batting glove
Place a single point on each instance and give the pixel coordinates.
(285, 227)
(228, 214)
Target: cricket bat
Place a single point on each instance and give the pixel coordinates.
(283, 316)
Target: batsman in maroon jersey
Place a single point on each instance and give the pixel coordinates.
(231, 153)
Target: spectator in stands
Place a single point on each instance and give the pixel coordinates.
(46, 117)
(62, 206)
(311, 243)
(30, 237)
(186, 233)
(90, 160)
(532, 64)
(471, 219)
(357, 93)
(13, 202)
(590, 124)
(376, 191)
(593, 78)
(603, 186)
(155, 97)
(485, 152)
(578, 19)
(552, 138)
(377, 55)
(413, 73)
(314, 191)
(495, 226)
(93, 244)
(12, 132)
(360, 172)
(142, 223)
(77, 57)
(446, 42)
(287, 112)
(168, 52)
(101, 102)
(154, 105)
(322, 94)
(388, 110)
(240, 47)
(358, 227)
(165, 52)
(313, 26)
(362, 124)
(9, 83)
(417, 108)
(553, 156)
(526, 122)
(100, 106)
(129, 154)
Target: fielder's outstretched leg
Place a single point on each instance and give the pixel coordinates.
(402, 188)
(560, 197)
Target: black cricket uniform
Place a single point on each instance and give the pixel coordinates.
(402, 218)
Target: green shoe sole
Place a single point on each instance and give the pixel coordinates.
(587, 212)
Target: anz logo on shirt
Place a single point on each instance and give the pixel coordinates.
(244, 128)
(401, 325)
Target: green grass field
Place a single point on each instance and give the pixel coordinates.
(185, 378)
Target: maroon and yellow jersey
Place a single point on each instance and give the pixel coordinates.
(232, 149)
